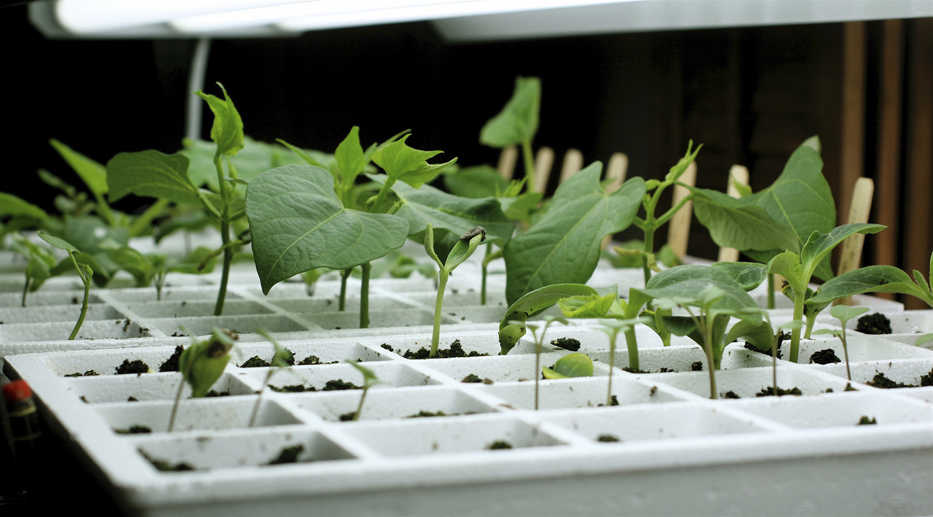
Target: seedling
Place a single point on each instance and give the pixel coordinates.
(610, 306)
(512, 325)
(612, 329)
(198, 262)
(82, 267)
(281, 358)
(39, 264)
(539, 344)
(758, 334)
(844, 313)
(461, 251)
(576, 364)
(877, 279)
(369, 380)
(517, 124)
(201, 364)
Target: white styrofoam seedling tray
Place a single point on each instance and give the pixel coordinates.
(678, 453)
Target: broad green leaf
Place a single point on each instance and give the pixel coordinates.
(203, 362)
(512, 325)
(871, 279)
(518, 120)
(819, 245)
(519, 208)
(462, 250)
(57, 242)
(92, 173)
(227, 129)
(11, 205)
(758, 334)
(692, 285)
(740, 223)
(297, 223)
(592, 306)
(747, 274)
(458, 215)
(681, 166)
(151, 174)
(251, 161)
(91, 235)
(845, 313)
(134, 263)
(350, 157)
(478, 181)
(403, 163)
(369, 376)
(788, 265)
(571, 365)
(564, 246)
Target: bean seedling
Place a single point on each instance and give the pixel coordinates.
(201, 364)
(539, 344)
(369, 380)
(281, 358)
(82, 267)
(844, 313)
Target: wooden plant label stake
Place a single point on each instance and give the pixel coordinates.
(851, 255)
(615, 173)
(544, 160)
(573, 162)
(678, 233)
(507, 159)
(737, 174)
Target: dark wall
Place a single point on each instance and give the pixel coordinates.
(749, 95)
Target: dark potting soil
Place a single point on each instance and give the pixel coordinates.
(135, 366)
(769, 392)
(696, 366)
(292, 388)
(827, 356)
(134, 429)
(731, 395)
(633, 370)
(313, 360)
(132, 399)
(167, 466)
(429, 414)
(754, 348)
(499, 445)
(927, 380)
(455, 350)
(607, 438)
(348, 417)
(89, 373)
(214, 393)
(865, 420)
(287, 455)
(880, 380)
(567, 343)
(613, 401)
(875, 323)
(386, 346)
(849, 387)
(331, 385)
(473, 378)
(171, 364)
(255, 362)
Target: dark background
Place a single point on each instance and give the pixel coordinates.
(749, 95)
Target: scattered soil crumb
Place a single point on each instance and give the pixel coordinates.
(135, 366)
(881, 381)
(652, 391)
(753, 348)
(84, 399)
(89, 373)
(849, 387)
(429, 414)
(613, 401)
(386, 346)
(292, 388)
(255, 362)
(455, 350)
(875, 323)
(348, 417)
(607, 438)
(567, 343)
(499, 445)
(731, 395)
(132, 399)
(473, 378)
(167, 466)
(287, 455)
(827, 356)
(865, 420)
(214, 393)
(927, 380)
(769, 392)
(313, 360)
(171, 364)
(633, 370)
(134, 429)
(696, 366)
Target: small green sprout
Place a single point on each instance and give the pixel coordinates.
(81, 264)
(612, 329)
(512, 325)
(369, 380)
(844, 313)
(461, 251)
(539, 343)
(201, 364)
(576, 364)
(39, 264)
(281, 358)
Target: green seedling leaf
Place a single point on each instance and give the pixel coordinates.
(475, 182)
(564, 246)
(13, 206)
(828, 332)
(740, 223)
(520, 208)
(203, 362)
(227, 129)
(250, 161)
(57, 242)
(134, 263)
(512, 325)
(518, 121)
(923, 339)
(758, 334)
(700, 286)
(350, 157)
(819, 245)
(845, 313)
(201, 260)
(681, 166)
(55, 182)
(791, 325)
(464, 247)
(404, 163)
(571, 365)
(297, 224)
(871, 279)
(151, 174)
(787, 264)
(458, 215)
(369, 377)
(592, 306)
(92, 173)
(747, 274)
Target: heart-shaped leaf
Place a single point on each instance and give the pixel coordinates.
(518, 120)
(151, 174)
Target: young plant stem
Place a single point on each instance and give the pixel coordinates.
(442, 276)
(181, 387)
(811, 321)
(771, 291)
(359, 407)
(482, 284)
(224, 236)
(708, 348)
(364, 295)
(631, 343)
(265, 382)
(612, 362)
(774, 347)
(144, 220)
(26, 289)
(87, 291)
(845, 351)
(342, 301)
(529, 160)
(649, 248)
(537, 367)
(383, 192)
(159, 283)
(795, 333)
